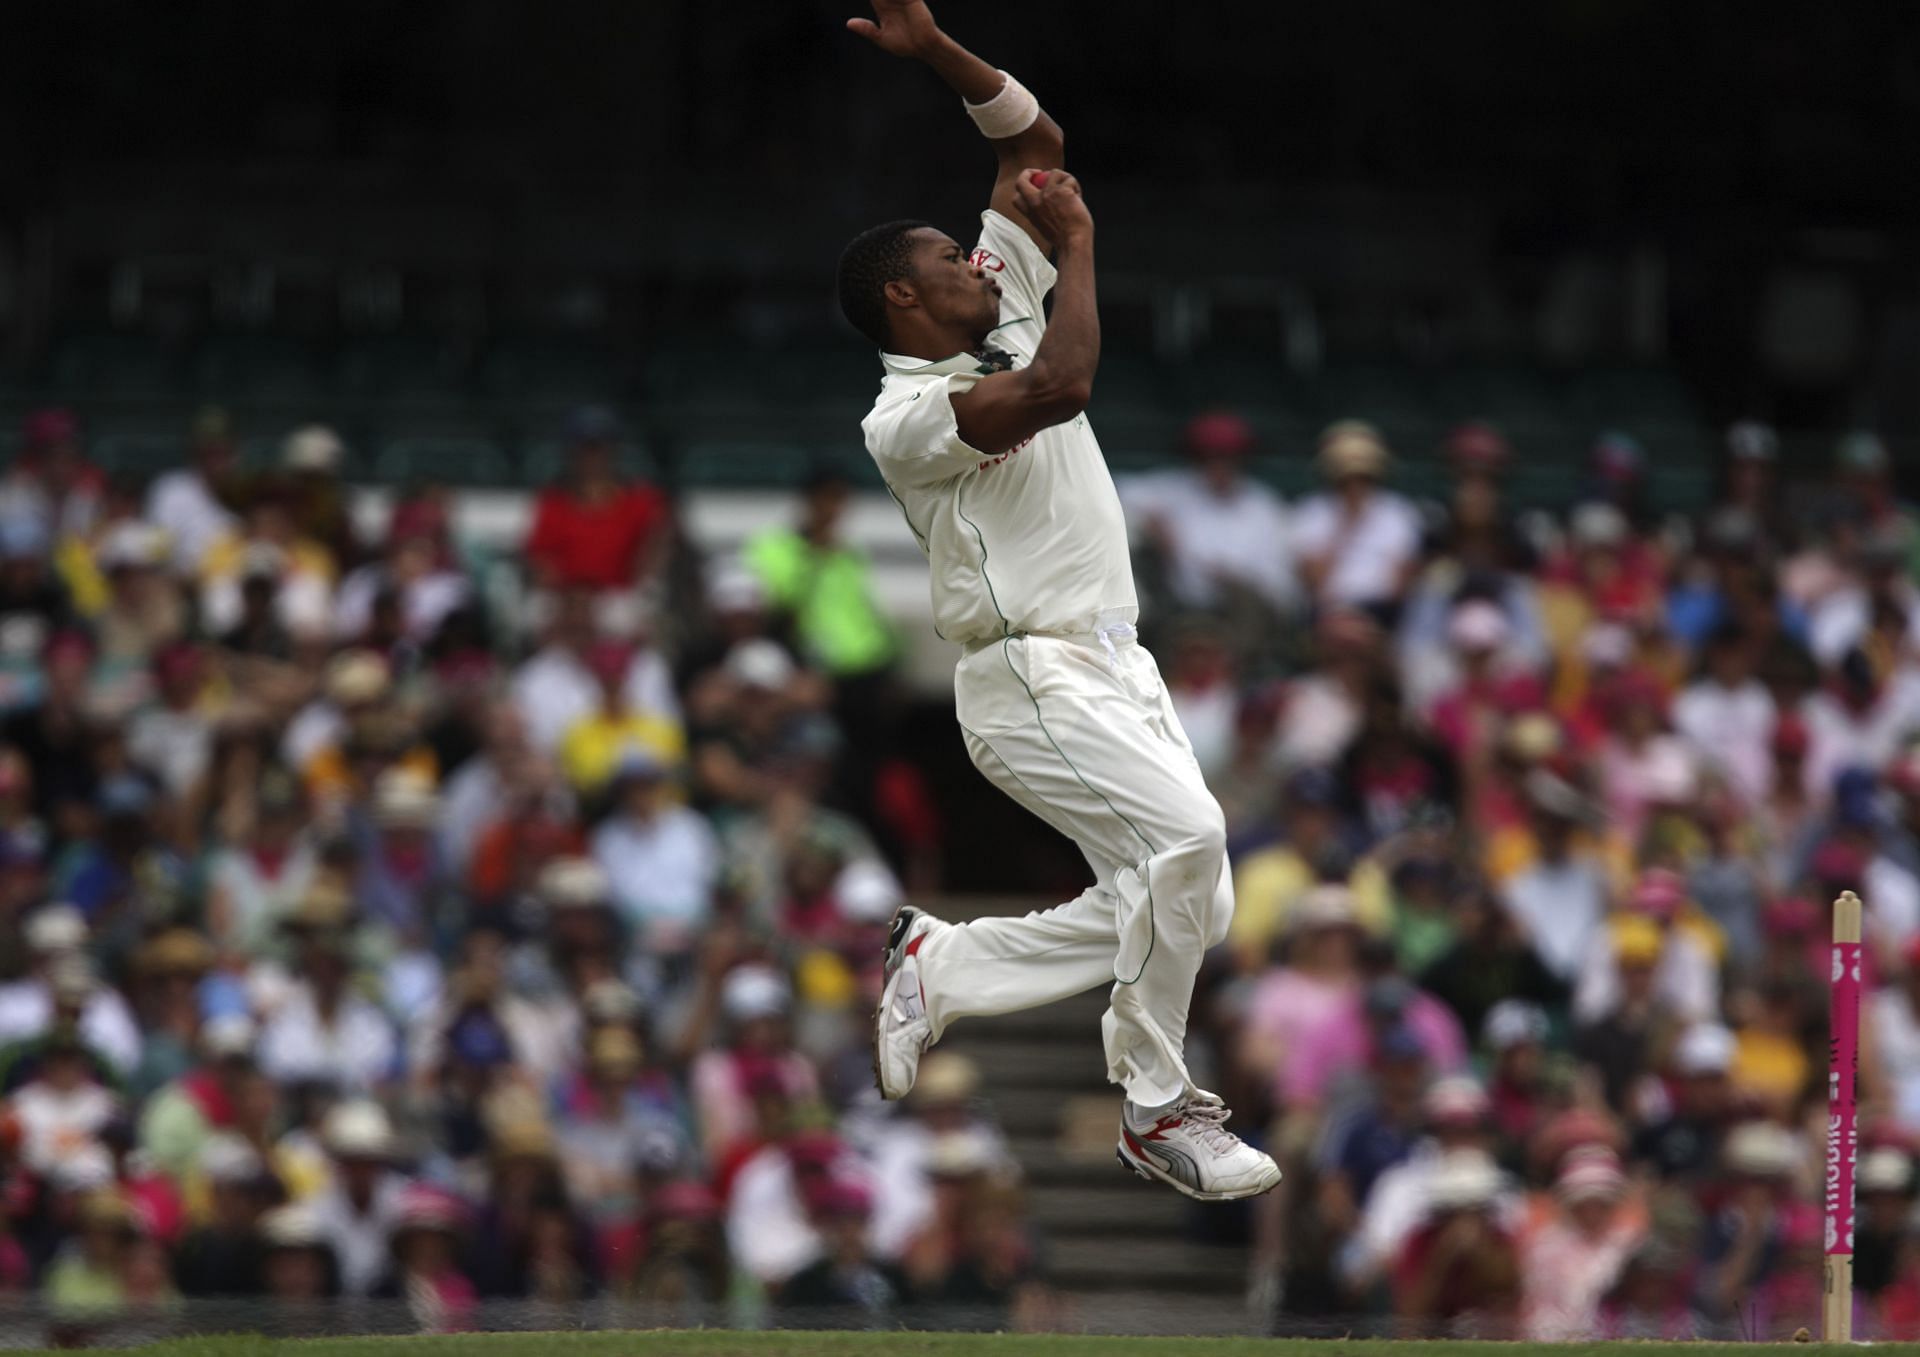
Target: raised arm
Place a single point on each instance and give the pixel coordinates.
(906, 28)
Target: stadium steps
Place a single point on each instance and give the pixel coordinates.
(1109, 1236)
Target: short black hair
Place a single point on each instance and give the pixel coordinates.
(877, 256)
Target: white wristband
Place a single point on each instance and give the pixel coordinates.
(1009, 113)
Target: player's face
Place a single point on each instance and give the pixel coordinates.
(953, 290)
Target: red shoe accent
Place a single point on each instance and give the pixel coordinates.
(913, 948)
(1165, 1124)
(1132, 1144)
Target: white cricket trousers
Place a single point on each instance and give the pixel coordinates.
(1080, 731)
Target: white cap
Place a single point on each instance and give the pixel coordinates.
(751, 992)
(1760, 1149)
(228, 1158)
(357, 676)
(731, 587)
(1512, 1022)
(759, 664)
(357, 1130)
(573, 881)
(82, 1168)
(1607, 643)
(1599, 525)
(404, 798)
(1463, 1179)
(1328, 905)
(1478, 625)
(312, 448)
(1668, 774)
(1704, 1048)
(1590, 1175)
(960, 1154)
(1885, 1170)
(294, 1226)
(866, 892)
(227, 1036)
(57, 928)
(132, 543)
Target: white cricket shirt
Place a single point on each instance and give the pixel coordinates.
(1029, 540)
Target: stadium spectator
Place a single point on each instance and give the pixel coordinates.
(594, 530)
(1357, 543)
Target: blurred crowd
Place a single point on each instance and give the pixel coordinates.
(363, 940)
(372, 933)
(1536, 821)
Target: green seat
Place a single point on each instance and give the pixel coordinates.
(545, 462)
(259, 367)
(451, 459)
(126, 365)
(732, 463)
(404, 366)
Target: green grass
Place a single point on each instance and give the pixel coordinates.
(717, 1343)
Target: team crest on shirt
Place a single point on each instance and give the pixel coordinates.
(983, 258)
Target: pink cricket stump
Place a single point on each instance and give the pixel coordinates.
(1843, 1129)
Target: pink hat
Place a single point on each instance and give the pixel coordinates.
(1659, 893)
(45, 428)
(1590, 1174)
(1218, 433)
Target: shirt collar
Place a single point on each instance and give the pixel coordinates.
(905, 366)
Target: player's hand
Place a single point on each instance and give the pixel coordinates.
(903, 27)
(1052, 201)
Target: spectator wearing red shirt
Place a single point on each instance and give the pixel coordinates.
(593, 530)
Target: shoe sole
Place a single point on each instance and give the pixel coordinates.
(1154, 1175)
(886, 1002)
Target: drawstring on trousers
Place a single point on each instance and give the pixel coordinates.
(1124, 630)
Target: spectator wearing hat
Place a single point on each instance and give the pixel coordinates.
(164, 983)
(944, 1103)
(355, 684)
(143, 611)
(261, 875)
(1454, 1117)
(35, 602)
(1862, 716)
(172, 738)
(269, 581)
(1683, 1144)
(1356, 544)
(1559, 901)
(1884, 1184)
(51, 477)
(1459, 1273)
(411, 584)
(401, 882)
(526, 1240)
(88, 1283)
(55, 935)
(1219, 531)
(1322, 708)
(1313, 844)
(184, 1114)
(594, 529)
(360, 1206)
(973, 1266)
(1748, 1240)
(1892, 1019)
(612, 1123)
(661, 858)
(845, 1286)
(1514, 1037)
(322, 1029)
(755, 1003)
(1573, 1257)
(298, 1269)
(312, 458)
(557, 687)
(1727, 715)
(1687, 976)
(771, 1232)
(1317, 981)
(221, 1256)
(593, 747)
(428, 1225)
(63, 1107)
(1620, 1043)
(192, 504)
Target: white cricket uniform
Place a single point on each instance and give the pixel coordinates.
(1061, 708)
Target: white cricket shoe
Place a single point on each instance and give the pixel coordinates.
(901, 1030)
(1191, 1150)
